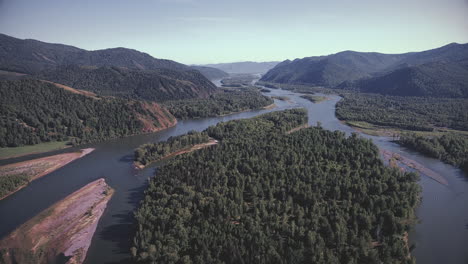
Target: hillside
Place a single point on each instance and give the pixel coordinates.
(332, 70)
(33, 111)
(210, 72)
(244, 67)
(436, 79)
(117, 71)
(154, 85)
(32, 56)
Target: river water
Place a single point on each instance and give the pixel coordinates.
(440, 237)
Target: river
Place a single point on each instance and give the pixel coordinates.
(440, 237)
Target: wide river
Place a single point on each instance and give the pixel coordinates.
(441, 236)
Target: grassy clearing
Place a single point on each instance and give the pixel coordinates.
(38, 148)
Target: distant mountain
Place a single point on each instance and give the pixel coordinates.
(437, 79)
(32, 56)
(33, 111)
(117, 71)
(330, 70)
(210, 72)
(244, 67)
(398, 73)
(154, 85)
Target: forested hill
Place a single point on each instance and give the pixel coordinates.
(154, 85)
(417, 73)
(210, 72)
(33, 111)
(32, 56)
(264, 196)
(330, 70)
(436, 79)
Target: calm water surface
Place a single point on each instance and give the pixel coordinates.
(440, 237)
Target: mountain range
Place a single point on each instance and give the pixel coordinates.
(34, 57)
(436, 72)
(244, 67)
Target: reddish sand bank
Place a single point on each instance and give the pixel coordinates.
(396, 160)
(211, 142)
(37, 168)
(66, 227)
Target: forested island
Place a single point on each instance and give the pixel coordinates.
(226, 101)
(314, 98)
(149, 153)
(262, 195)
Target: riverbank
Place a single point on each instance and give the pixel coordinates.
(211, 142)
(63, 232)
(404, 163)
(14, 177)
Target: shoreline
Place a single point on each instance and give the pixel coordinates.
(211, 142)
(397, 161)
(40, 167)
(64, 229)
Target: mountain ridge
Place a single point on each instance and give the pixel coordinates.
(127, 72)
(341, 69)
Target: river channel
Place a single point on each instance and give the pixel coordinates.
(441, 236)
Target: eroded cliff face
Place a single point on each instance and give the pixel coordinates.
(156, 118)
(62, 233)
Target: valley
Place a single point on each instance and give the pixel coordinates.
(233, 158)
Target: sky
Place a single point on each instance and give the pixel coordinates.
(214, 31)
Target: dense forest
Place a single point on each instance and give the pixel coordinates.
(148, 153)
(224, 102)
(32, 111)
(154, 85)
(264, 196)
(450, 148)
(412, 113)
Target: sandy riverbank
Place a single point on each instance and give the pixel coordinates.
(33, 169)
(396, 160)
(63, 231)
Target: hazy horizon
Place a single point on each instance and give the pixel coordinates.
(208, 31)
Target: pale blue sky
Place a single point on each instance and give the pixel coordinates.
(210, 31)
